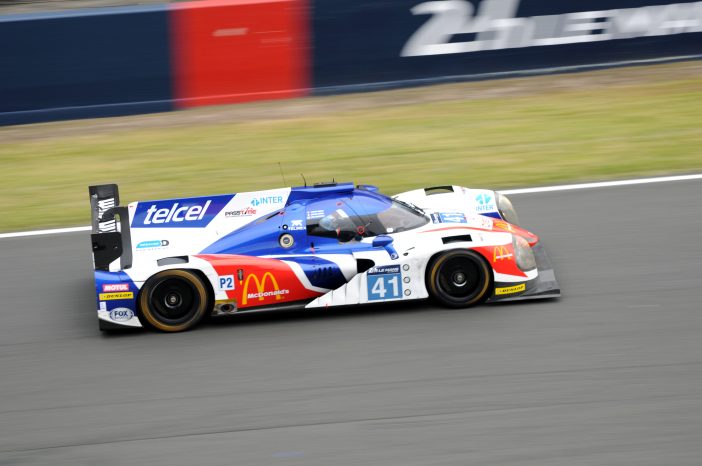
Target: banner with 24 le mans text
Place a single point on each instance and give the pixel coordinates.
(366, 44)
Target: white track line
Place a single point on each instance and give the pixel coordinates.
(545, 189)
(43, 232)
(602, 184)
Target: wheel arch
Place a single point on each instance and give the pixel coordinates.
(434, 257)
(200, 274)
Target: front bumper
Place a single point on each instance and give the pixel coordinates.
(543, 286)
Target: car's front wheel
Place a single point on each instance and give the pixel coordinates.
(173, 301)
(459, 279)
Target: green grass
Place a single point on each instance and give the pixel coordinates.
(553, 137)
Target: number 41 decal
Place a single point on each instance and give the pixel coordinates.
(384, 282)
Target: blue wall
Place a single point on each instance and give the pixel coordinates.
(117, 61)
(84, 64)
(358, 45)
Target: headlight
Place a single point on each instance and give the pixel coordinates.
(506, 209)
(523, 254)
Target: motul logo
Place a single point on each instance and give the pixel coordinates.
(112, 287)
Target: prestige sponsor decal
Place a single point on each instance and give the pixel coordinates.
(115, 296)
(510, 289)
(247, 212)
(112, 287)
(496, 26)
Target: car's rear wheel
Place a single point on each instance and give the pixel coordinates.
(173, 301)
(459, 279)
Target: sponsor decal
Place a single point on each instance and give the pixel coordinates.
(247, 212)
(384, 269)
(449, 217)
(384, 282)
(485, 203)
(261, 292)
(502, 225)
(266, 200)
(314, 214)
(103, 206)
(510, 289)
(496, 26)
(226, 282)
(115, 296)
(183, 213)
(103, 306)
(286, 241)
(501, 253)
(153, 244)
(121, 314)
(296, 225)
(112, 287)
(453, 218)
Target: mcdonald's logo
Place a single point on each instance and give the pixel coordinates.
(501, 253)
(502, 225)
(261, 292)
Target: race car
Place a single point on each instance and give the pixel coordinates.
(167, 264)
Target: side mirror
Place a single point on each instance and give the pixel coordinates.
(385, 242)
(382, 241)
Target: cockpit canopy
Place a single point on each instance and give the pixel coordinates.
(360, 215)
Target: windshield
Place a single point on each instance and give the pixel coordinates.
(400, 217)
(361, 216)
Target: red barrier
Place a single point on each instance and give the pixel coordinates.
(227, 51)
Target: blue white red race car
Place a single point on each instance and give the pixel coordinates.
(167, 264)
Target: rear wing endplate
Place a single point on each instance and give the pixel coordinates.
(110, 228)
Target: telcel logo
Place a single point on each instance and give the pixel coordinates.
(176, 213)
(266, 200)
(261, 287)
(196, 212)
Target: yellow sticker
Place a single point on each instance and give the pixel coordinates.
(113, 296)
(510, 289)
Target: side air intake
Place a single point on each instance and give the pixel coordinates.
(456, 239)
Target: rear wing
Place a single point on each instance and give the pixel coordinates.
(110, 228)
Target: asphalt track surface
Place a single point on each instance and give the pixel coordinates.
(610, 374)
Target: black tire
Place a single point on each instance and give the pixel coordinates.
(173, 301)
(459, 279)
